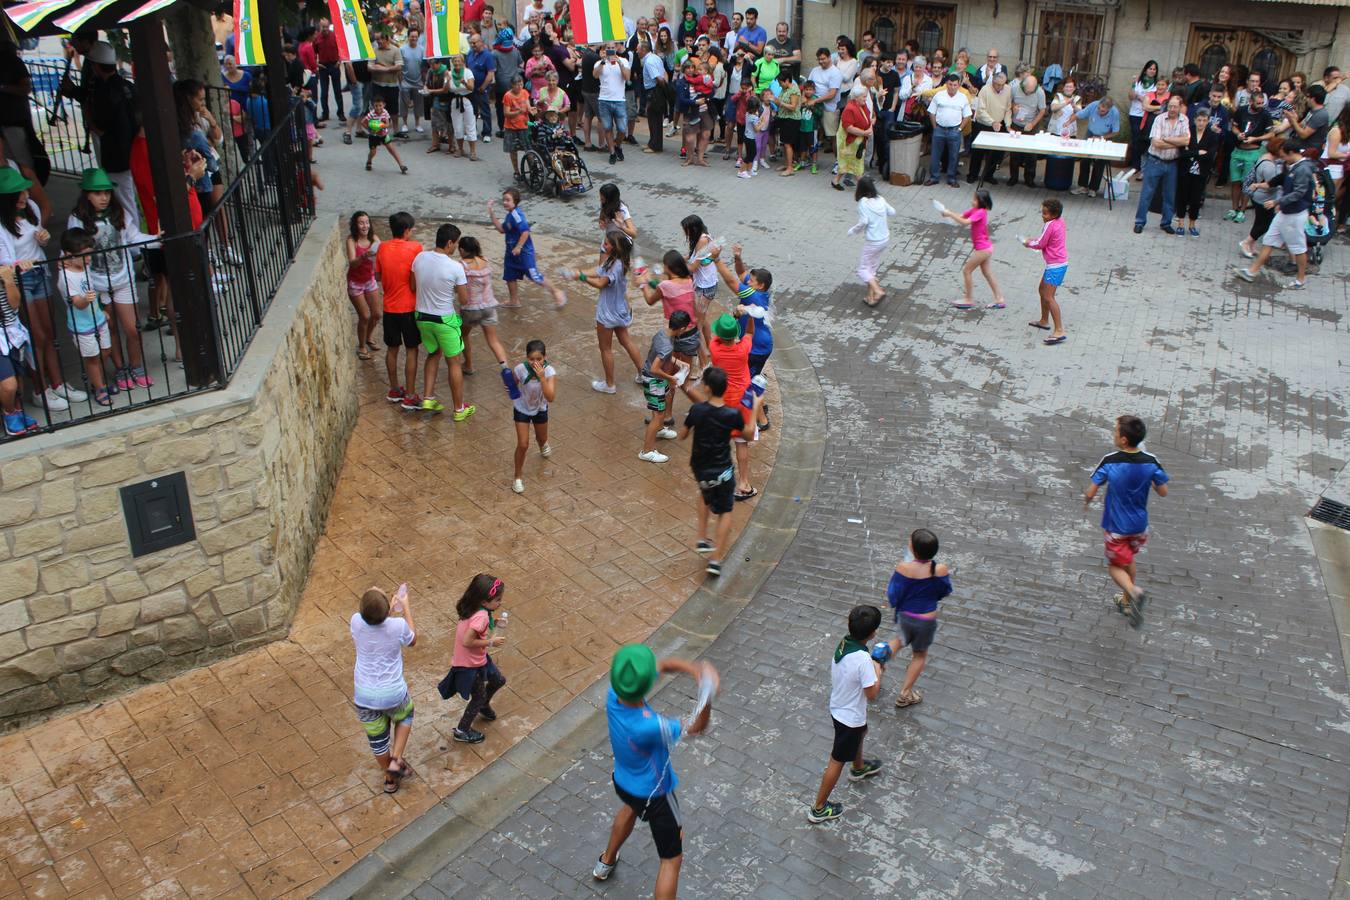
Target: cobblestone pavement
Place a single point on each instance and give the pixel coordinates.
(251, 777)
(1057, 752)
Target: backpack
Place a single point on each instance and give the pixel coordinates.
(1249, 180)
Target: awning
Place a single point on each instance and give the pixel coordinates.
(39, 17)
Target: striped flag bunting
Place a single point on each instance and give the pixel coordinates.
(146, 9)
(349, 24)
(248, 44)
(30, 15)
(597, 21)
(72, 21)
(442, 35)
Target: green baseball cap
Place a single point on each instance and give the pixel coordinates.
(726, 327)
(96, 179)
(11, 182)
(633, 671)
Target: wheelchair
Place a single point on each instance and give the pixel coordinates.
(553, 164)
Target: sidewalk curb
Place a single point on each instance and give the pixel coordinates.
(401, 864)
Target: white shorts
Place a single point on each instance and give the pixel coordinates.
(91, 343)
(1286, 230)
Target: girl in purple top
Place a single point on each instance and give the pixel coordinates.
(1055, 249)
(977, 219)
(917, 584)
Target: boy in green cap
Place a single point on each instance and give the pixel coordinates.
(643, 777)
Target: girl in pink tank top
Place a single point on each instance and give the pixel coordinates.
(977, 220)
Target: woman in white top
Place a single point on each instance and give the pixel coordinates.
(1064, 110)
(921, 80)
(703, 269)
(846, 59)
(1337, 151)
(380, 693)
(614, 214)
(873, 210)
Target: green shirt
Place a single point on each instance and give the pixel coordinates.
(766, 73)
(808, 118)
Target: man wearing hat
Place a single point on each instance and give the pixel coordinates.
(115, 119)
(643, 777)
(509, 63)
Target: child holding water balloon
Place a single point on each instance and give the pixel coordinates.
(536, 385)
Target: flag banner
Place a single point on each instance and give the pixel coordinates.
(72, 21)
(596, 21)
(30, 15)
(349, 24)
(153, 6)
(248, 45)
(442, 34)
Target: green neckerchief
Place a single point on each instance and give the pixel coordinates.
(848, 645)
(529, 371)
(1148, 82)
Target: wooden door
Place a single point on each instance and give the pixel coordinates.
(1213, 46)
(894, 23)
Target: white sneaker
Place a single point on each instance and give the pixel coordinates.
(653, 456)
(602, 387)
(638, 379)
(743, 175)
(546, 451)
(55, 402)
(603, 869)
(233, 258)
(73, 394)
(487, 138)
(518, 486)
(667, 434)
(421, 130)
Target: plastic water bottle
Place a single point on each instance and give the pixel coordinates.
(501, 624)
(566, 274)
(639, 266)
(509, 379)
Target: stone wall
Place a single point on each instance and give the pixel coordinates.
(80, 618)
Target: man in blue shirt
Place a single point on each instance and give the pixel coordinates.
(1129, 473)
(751, 37)
(654, 79)
(484, 67)
(643, 777)
(1103, 118)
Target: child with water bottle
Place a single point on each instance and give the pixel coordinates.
(532, 386)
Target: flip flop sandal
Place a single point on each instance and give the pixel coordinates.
(873, 304)
(363, 354)
(747, 494)
(1039, 325)
(1056, 340)
(390, 783)
(904, 700)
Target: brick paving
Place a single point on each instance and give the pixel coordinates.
(1057, 752)
(252, 778)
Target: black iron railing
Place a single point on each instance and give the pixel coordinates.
(239, 256)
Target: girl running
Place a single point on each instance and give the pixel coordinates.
(473, 674)
(977, 220)
(362, 288)
(537, 382)
(1055, 249)
(481, 307)
(873, 210)
(613, 315)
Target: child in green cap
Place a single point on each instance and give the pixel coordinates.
(641, 740)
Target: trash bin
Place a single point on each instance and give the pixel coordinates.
(905, 158)
(1058, 173)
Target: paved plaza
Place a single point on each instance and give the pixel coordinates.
(1057, 752)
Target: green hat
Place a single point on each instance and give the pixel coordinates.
(633, 671)
(96, 180)
(11, 182)
(726, 327)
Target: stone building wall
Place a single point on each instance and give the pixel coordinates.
(80, 618)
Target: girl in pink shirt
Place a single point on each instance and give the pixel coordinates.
(1055, 249)
(977, 219)
(473, 674)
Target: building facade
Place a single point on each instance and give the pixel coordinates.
(1108, 40)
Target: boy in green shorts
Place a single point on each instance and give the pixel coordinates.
(659, 375)
(1252, 126)
(439, 279)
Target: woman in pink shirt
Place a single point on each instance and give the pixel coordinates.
(1055, 249)
(977, 219)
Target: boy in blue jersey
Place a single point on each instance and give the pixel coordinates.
(519, 261)
(643, 777)
(1129, 473)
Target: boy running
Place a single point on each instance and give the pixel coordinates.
(712, 423)
(1129, 472)
(855, 678)
(393, 266)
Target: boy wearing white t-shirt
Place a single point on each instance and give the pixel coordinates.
(855, 678)
(441, 286)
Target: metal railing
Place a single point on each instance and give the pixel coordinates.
(240, 254)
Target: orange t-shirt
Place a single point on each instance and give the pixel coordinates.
(516, 106)
(393, 261)
(734, 359)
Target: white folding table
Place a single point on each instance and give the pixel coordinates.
(1048, 145)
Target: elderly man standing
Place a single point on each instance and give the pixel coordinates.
(993, 112)
(985, 73)
(1028, 109)
(654, 84)
(950, 109)
(1170, 133)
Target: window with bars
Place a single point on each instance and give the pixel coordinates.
(1071, 39)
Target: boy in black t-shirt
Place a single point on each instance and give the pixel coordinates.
(711, 421)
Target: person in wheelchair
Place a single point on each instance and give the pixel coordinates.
(555, 142)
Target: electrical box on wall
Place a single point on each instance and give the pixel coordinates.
(158, 514)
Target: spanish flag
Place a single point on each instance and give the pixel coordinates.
(597, 21)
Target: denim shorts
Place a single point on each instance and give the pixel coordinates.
(34, 283)
(360, 100)
(613, 115)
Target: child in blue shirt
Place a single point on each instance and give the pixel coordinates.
(1129, 473)
(520, 262)
(85, 316)
(916, 586)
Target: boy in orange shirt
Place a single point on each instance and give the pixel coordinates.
(516, 116)
(393, 266)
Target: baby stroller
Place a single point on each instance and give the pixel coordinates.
(552, 162)
(1321, 216)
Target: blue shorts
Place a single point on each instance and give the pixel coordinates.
(515, 268)
(613, 115)
(1054, 275)
(34, 283)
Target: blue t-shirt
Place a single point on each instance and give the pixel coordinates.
(513, 226)
(1128, 478)
(480, 62)
(919, 596)
(762, 343)
(756, 35)
(1099, 124)
(641, 740)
